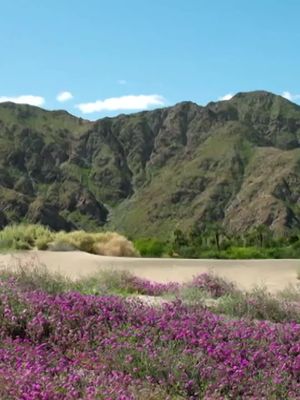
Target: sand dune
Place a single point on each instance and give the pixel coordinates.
(275, 274)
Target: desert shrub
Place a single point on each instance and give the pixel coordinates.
(85, 243)
(125, 283)
(26, 237)
(92, 285)
(290, 293)
(255, 305)
(151, 247)
(193, 295)
(113, 244)
(23, 236)
(215, 285)
(12, 305)
(107, 243)
(79, 240)
(117, 282)
(61, 245)
(31, 275)
(6, 244)
(22, 245)
(258, 304)
(42, 243)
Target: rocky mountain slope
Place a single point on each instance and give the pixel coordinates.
(234, 162)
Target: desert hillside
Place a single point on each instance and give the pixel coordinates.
(232, 162)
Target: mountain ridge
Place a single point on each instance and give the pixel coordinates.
(63, 111)
(233, 162)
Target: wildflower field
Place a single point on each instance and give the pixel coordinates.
(94, 339)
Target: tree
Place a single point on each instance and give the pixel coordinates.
(217, 231)
(196, 236)
(179, 239)
(263, 233)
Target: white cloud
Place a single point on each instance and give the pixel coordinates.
(289, 96)
(24, 99)
(122, 82)
(139, 102)
(64, 96)
(226, 97)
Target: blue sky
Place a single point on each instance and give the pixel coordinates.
(117, 56)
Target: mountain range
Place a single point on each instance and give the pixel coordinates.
(235, 163)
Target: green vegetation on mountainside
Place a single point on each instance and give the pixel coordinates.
(235, 163)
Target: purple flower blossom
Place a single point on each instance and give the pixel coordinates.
(74, 346)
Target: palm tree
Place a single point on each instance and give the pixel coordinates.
(179, 239)
(263, 233)
(216, 230)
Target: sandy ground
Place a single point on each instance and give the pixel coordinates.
(275, 274)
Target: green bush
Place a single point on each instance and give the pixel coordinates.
(188, 252)
(151, 247)
(245, 253)
(212, 241)
(22, 245)
(23, 236)
(42, 243)
(211, 253)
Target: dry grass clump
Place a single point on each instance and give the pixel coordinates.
(261, 305)
(29, 274)
(291, 293)
(113, 244)
(106, 243)
(77, 240)
(27, 237)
